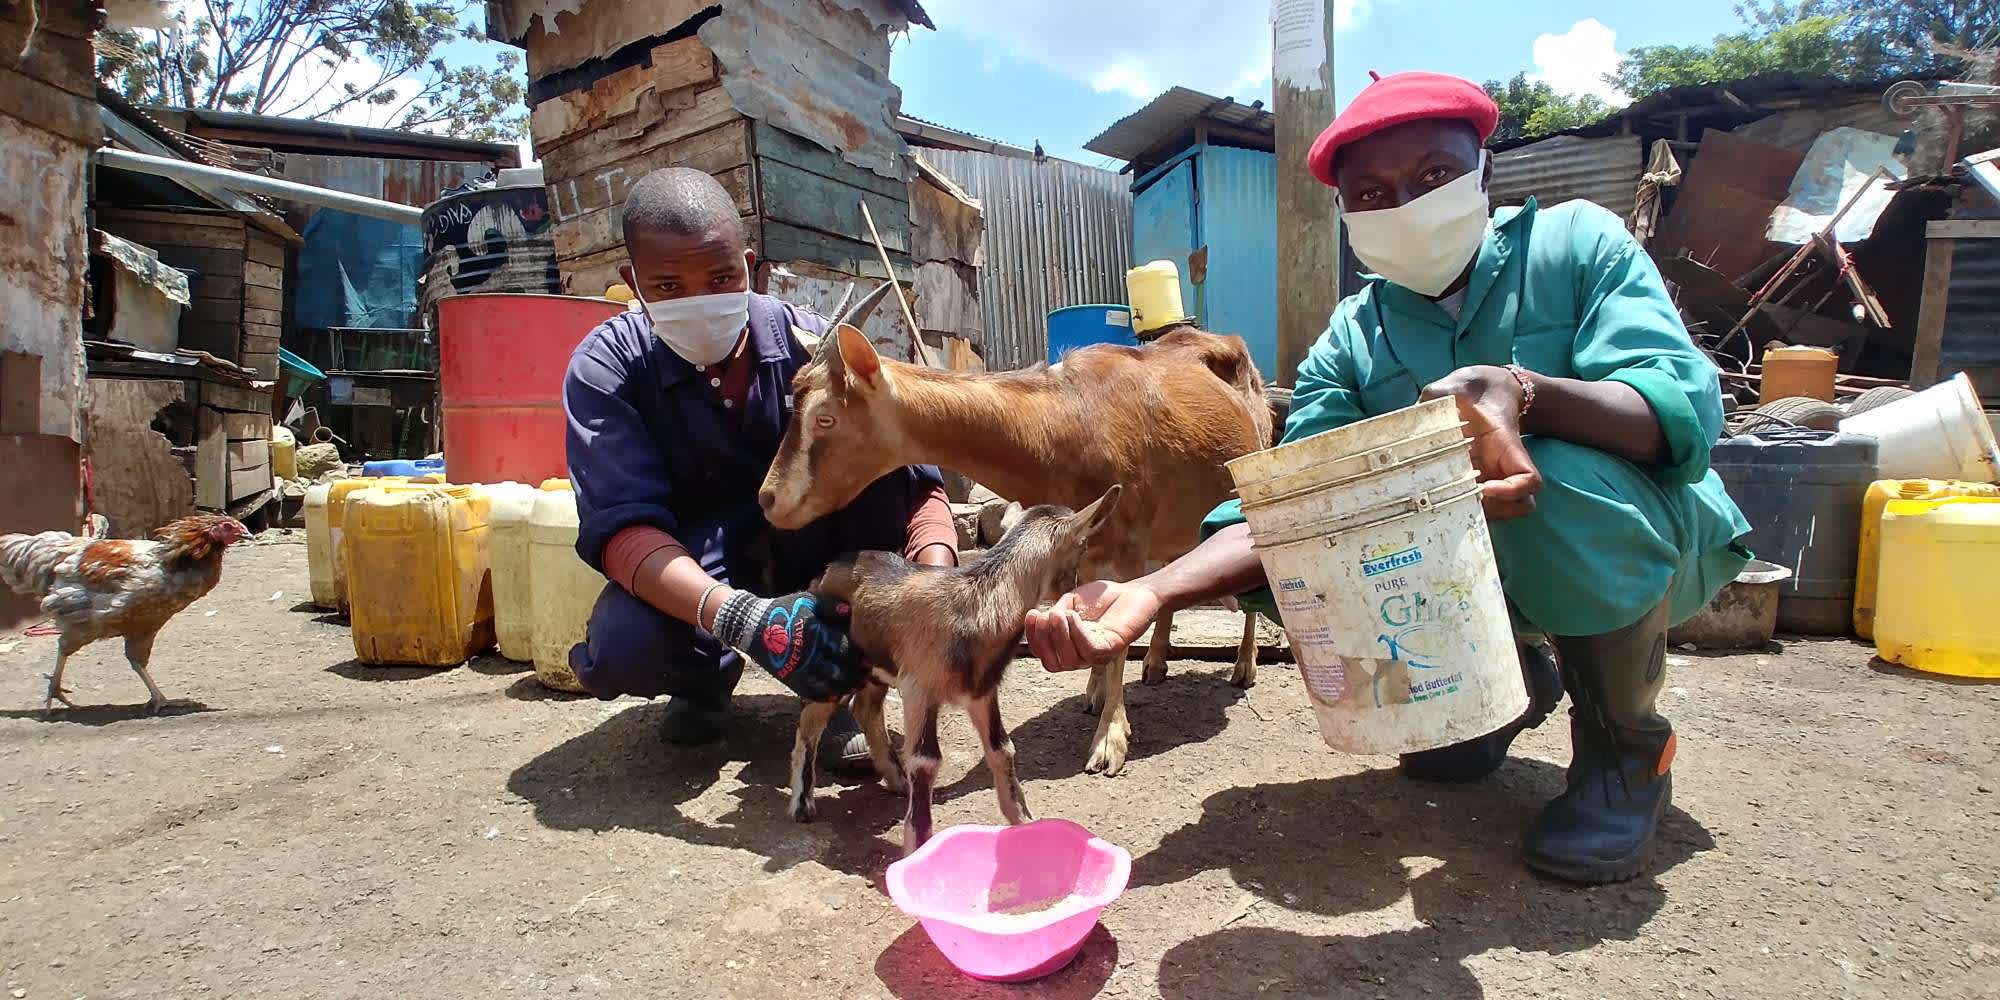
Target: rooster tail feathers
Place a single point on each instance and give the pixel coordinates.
(28, 562)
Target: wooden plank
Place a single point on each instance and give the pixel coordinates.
(718, 151)
(602, 230)
(249, 454)
(211, 460)
(165, 236)
(64, 61)
(260, 329)
(263, 317)
(811, 201)
(214, 220)
(246, 426)
(265, 248)
(224, 340)
(1931, 313)
(675, 117)
(238, 398)
(255, 297)
(774, 143)
(255, 344)
(208, 262)
(675, 66)
(138, 483)
(49, 108)
(262, 275)
(72, 20)
(229, 289)
(601, 26)
(247, 481)
(1965, 229)
(784, 242)
(265, 365)
(208, 309)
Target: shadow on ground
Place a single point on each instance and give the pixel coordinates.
(621, 776)
(912, 968)
(1363, 842)
(104, 715)
(355, 670)
(1190, 707)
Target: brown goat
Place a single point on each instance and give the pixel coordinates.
(1160, 419)
(944, 637)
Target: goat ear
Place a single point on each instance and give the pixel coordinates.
(857, 356)
(1091, 519)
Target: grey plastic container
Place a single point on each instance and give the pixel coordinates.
(1801, 490)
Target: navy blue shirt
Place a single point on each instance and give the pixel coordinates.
(651, 443)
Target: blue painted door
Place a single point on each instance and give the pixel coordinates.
(1238, 219)
(1164, 226)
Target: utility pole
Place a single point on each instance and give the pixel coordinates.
(1308, 243)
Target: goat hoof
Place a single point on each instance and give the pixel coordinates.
(803, 810)
(1107, 758)
(895, 783)
(1243, 678)
(1154, 674)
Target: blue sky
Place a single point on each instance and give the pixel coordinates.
(1063, 70)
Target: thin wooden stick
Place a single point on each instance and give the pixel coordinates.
(916, 332)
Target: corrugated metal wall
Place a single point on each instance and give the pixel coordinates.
(1604, 171)
(1057, 234)
(415, 183)
(1239, 203)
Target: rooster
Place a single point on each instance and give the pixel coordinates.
(96, 588)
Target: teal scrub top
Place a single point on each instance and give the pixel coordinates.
(1564, 292)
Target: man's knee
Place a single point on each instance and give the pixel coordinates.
(633, 648)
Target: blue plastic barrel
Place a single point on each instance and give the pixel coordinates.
(1081, 326)
(411, 467)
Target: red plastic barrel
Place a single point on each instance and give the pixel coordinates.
(501, 360)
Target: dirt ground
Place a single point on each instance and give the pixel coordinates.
(307, 827)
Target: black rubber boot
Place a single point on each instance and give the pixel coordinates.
(1476, 758)
(693, 721)
(1600, 829)
(842, 747)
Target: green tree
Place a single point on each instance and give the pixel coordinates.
(1812, 46)
(261, 56)
(1890, 37)
(1534, 108)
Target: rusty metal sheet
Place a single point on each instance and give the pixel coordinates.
(1602, 171)
(1057, 234)
(815, 71)
(43, 264)
(415, 183)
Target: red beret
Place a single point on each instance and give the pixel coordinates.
(1397, 98)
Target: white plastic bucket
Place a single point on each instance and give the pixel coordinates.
(1939, 433)
(1389, 591)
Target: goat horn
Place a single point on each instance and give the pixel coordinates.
(861, 307)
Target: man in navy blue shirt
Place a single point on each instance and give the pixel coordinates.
(675, 411)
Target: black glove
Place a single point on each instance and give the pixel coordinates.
(801, 640)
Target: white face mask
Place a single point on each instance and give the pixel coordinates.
(702, 329)
(1424, 245)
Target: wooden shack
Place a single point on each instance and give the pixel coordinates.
(236, 279)
(622, 87)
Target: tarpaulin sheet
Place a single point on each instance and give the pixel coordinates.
(356, 271)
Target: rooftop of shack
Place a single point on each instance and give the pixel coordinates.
(1180, 118)
(1723, 105)
(133, 128)
(301, 135)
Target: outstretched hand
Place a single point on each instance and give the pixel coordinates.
(1091, 624)
(1489, 401)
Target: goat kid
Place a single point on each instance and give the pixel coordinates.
(1160, 421)
(944, 637)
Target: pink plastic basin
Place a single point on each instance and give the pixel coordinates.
(1010, 903)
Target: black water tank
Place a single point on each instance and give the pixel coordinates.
(1801, 490)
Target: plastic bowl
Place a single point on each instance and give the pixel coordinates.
(1010, 903)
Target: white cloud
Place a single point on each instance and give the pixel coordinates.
(1116, 48)
(1576, 61)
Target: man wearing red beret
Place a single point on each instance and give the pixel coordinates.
(1592, 414)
